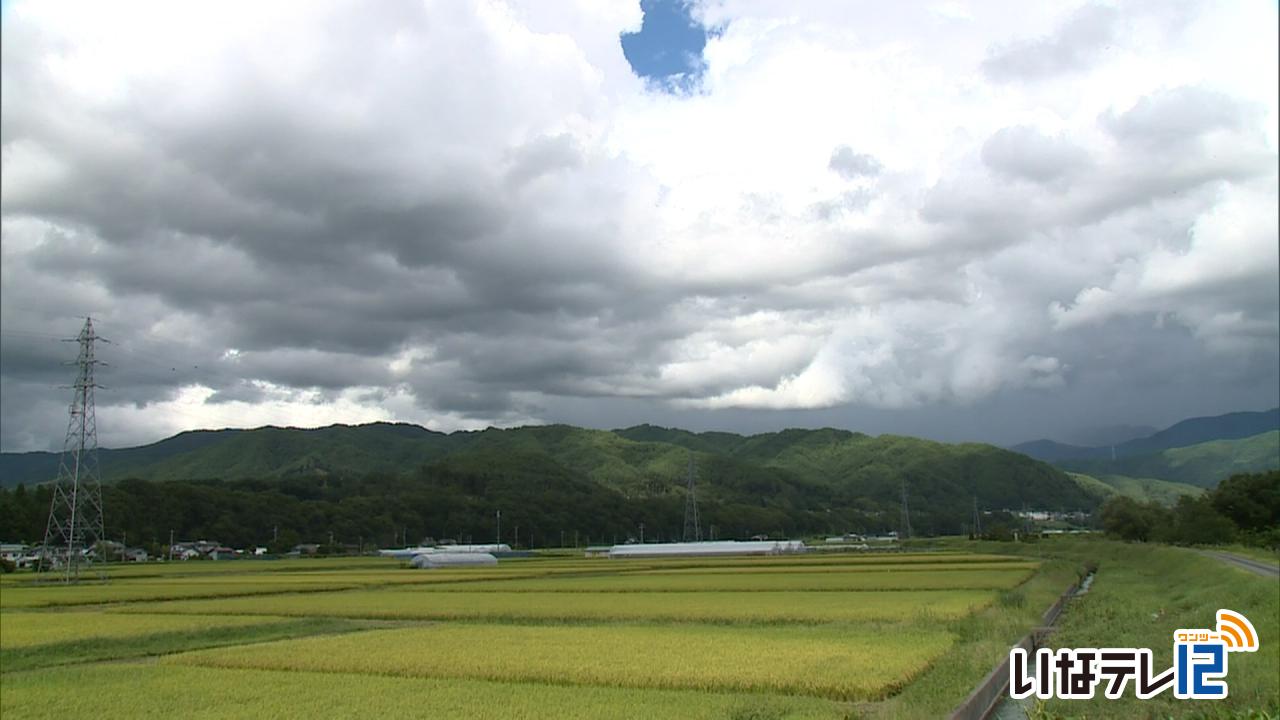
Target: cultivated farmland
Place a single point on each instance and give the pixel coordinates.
(697, 637)
(831, 636)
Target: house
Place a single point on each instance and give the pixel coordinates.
(12, 552)
(134, 555)
(197, 549)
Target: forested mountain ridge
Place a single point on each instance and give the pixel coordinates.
(1202, 465)
(822, 480)
(630, 461)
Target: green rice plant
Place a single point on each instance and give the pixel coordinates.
(127, 691)
(836, 661)
(155, 641)
(27, 629)
(721, 607)
(952, 579)
(93, 593)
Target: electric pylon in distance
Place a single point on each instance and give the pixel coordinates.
(75, 514)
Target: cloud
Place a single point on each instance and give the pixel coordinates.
(1025, 153)
(1074, 46)
(1221, 286)
(849, 164)
(1169, 118)
(465, 214)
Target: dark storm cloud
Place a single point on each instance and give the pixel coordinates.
(432, 212)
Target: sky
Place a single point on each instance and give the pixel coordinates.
(991, 221)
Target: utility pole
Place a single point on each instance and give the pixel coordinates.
(692, 530)
(499, 540)
(977, 519)
(75, 514)
(171, 543)
(641, 533)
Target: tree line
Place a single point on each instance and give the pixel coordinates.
(1244, 508)
(542, 504)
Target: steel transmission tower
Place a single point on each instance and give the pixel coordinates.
(75, 515)
(692, 530)
(906, 513)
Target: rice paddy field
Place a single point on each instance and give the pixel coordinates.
(816, 636)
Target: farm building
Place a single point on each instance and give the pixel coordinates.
(428, 561)
(706, 549)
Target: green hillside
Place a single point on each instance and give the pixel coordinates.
(1203, 465)
(826, 479)
(1140, 489)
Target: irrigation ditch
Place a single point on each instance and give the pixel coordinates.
(989, 698)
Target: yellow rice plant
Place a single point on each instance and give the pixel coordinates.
(28, 629)
(985, 579)
(837, 662)
(720, 607)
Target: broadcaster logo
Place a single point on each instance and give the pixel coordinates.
(1199, 671)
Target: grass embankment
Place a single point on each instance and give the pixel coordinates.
(1142, 594)
(982, 640)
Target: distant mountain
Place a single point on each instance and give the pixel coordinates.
(1232, 426)
(805, 471)
(1203, 464)
(1109, 435)
(1053, 451)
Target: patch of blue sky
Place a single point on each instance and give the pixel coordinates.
(667, 52)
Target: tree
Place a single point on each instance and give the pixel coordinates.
(1197, 522)
(1131, 520)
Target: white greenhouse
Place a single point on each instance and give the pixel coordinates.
(708, 549)
(429, 561)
